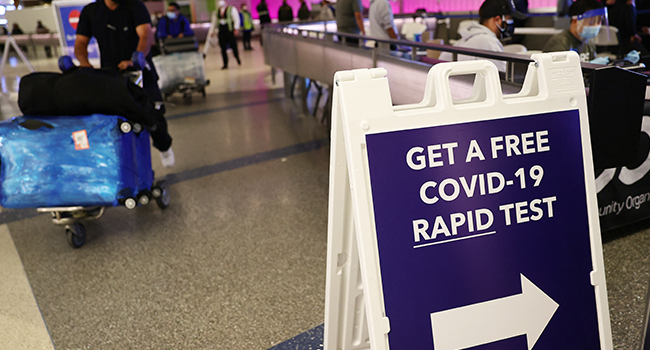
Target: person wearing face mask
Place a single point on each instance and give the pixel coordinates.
(586, 19)
(495, 22)
(122, 27)
(227, 22)
(174, 24)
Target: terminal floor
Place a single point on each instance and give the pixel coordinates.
(238, 259)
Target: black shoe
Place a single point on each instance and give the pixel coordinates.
(224, 67)
(238, 62)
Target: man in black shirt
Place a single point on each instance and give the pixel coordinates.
(122, 27)
(285, 13)
(263, 13)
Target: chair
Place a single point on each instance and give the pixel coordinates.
(515, 48)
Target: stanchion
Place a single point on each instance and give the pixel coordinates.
(11, 41)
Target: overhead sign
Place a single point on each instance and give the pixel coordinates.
(476, 221)
(66, 13)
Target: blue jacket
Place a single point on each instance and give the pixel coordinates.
(167, 27)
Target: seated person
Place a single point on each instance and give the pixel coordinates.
(418, 26)
(495, 22)
(586, 19)
(174, 25)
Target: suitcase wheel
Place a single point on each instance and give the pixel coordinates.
(143, 199)
(160, 193)
(76, 235)
(126, 127)
(130, 203)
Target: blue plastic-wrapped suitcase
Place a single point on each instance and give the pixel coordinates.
(72, 165)
(77, 160)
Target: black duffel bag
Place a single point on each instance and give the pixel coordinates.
(85, 91)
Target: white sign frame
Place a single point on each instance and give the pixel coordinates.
(362, 105)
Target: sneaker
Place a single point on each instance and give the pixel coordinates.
(167, 158)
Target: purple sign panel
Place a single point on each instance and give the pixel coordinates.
(483, 235)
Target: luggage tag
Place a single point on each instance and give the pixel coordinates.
(80, 140)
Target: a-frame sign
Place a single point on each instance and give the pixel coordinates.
(469, 223)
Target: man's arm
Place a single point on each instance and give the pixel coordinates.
(386, 16)
(359, 18)
(144, 45)
(187, 30)
(81, 50)
(391, 33)
(235, 20)
(145, 33)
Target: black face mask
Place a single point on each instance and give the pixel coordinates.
(508, 28)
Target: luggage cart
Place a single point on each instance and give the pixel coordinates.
(180, 68)
(112, 153)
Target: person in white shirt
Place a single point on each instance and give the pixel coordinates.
(418, 26)
(380, 16)
(495, 21)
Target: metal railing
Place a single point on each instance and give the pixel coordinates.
(308, 30)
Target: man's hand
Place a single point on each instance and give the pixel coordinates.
(180, 35)
(636, 38)
(235, 32)
(125, 64)
(85, 65)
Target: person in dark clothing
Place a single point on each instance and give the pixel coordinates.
(622, 15)
(174, 25)
(101, 19)
(16, 30)
(41, 29)
(263, 14)
(349, 19)
(285, 13)
(303, 12)
(226, 20)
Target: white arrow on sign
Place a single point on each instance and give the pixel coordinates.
(526, 313)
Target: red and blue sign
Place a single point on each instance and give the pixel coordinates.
(69, 19)
(483, 235)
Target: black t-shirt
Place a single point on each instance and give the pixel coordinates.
(114, 30)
